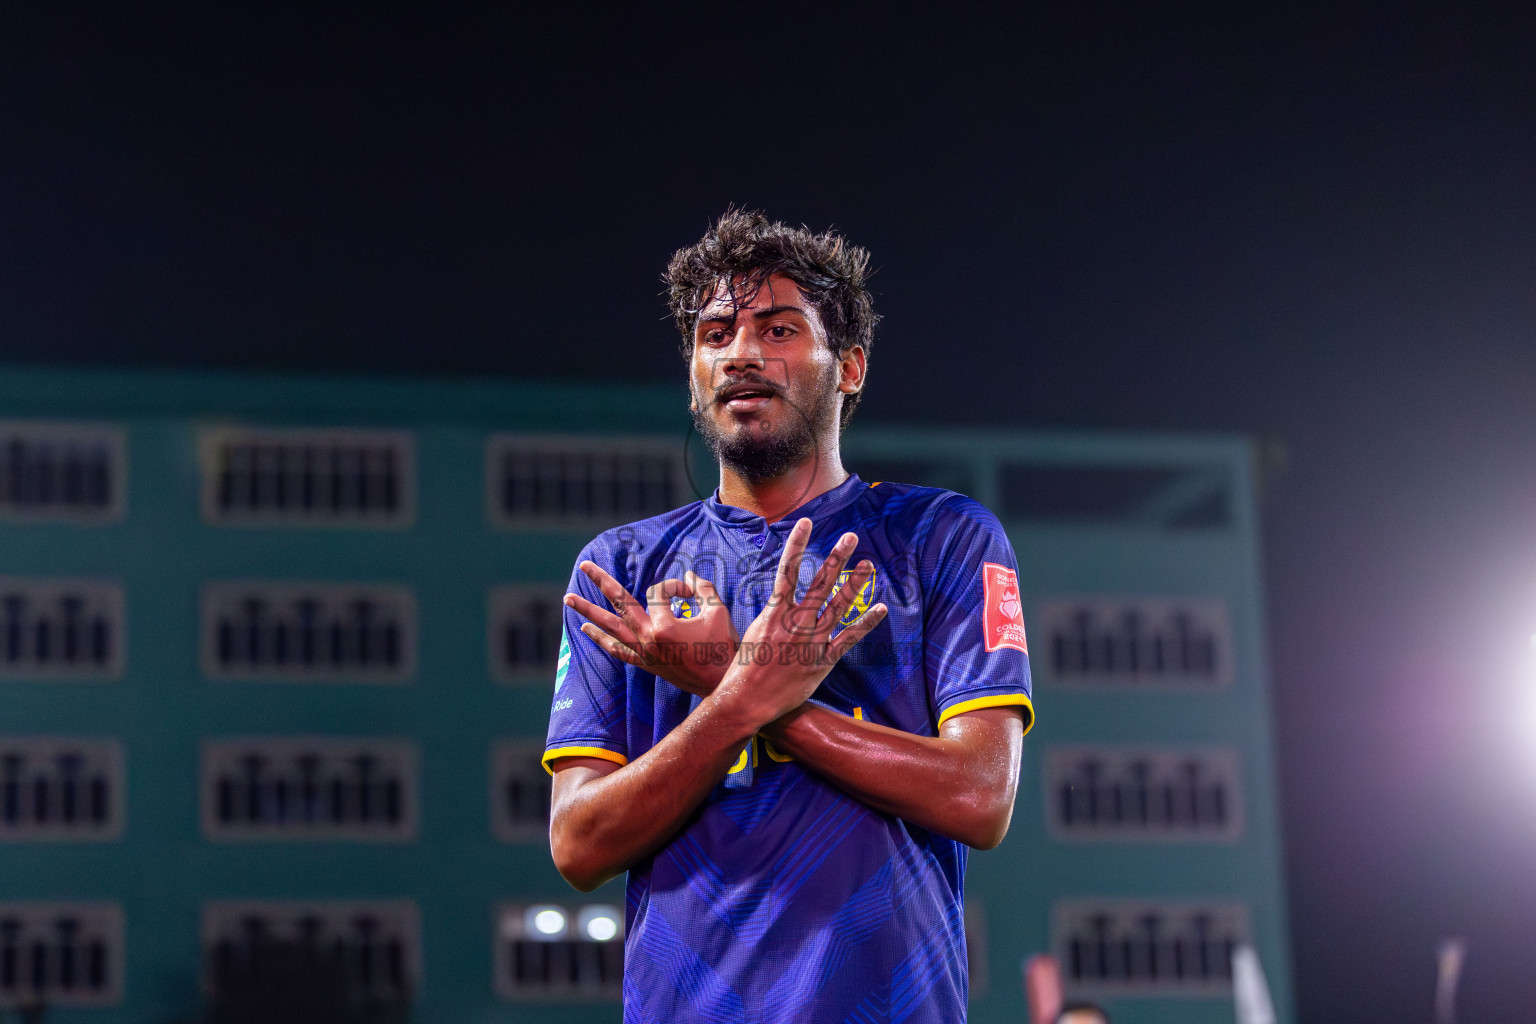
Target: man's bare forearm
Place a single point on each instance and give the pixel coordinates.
(960, 784)
(605, 818)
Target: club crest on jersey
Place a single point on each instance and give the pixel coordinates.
(1002, 619)
(861, 601)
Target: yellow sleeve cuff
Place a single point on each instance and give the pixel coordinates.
(1000, 700)
(555, 753)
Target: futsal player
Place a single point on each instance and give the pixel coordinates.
(788, 710)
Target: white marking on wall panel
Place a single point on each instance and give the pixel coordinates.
(586, 482)
(66, 954)
(1151, 643)
(1144, 948)
(62, 472)
(558, 953)
(308, 632)
(308, 478)
(309, 788)
(523, 625)
(374, 945)
(1143, 794)
(61, 628)
(520, 792)
(61, 789)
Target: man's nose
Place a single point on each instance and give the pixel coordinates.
(744, 352)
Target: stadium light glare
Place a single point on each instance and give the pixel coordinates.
(1530, 691)
(599, 922)
(546, 922)
(1528, 695)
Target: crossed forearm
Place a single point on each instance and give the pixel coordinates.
(960, 784)
(605, 820)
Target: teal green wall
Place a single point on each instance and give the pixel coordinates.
(162, 869)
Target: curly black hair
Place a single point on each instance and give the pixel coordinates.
(745, 248)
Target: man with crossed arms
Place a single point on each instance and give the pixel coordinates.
(794, 820)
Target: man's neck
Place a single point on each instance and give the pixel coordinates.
(776, 498)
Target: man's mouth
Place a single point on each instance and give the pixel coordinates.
(746, 397)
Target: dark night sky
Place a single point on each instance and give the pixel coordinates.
(1312, 227)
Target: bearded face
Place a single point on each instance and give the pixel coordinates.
(761, 442)
(764, 383)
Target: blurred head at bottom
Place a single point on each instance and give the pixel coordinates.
(1082, 1013)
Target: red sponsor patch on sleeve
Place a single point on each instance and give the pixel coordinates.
(1002, 618)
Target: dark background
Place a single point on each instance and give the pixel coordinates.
(1311, 227)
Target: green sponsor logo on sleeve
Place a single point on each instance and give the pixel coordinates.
(563, 662)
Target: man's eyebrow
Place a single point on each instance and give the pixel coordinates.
(729, 316)
(763, 314)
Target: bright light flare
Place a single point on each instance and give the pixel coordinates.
(1528, 698)
(546, 922)
(599, 922)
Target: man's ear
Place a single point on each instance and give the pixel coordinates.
(851, 369)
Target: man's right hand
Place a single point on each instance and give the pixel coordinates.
(691, 654)
(798, 634)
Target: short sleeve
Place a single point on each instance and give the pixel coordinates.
(587, 713)
(976, 654)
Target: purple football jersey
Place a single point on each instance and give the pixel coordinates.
(784, 899)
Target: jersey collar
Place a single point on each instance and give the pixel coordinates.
(819, 506)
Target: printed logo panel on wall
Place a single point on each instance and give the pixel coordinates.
(1151, 643)
(520, 792)
(62, 472)
(1141, 948)
(582, 482)
(1143, 794)
(306, 788)
(308, 478)
(548, 951)
(61, 954)
(370, 948)
(523, 625)
(61, 629)
(61, 789)
(308, 632)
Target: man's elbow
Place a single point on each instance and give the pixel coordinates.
(982, 834)
(989, 835)
(577, 862)
(583, 880)
(988, 821)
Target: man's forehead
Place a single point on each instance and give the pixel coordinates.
(735, 295)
